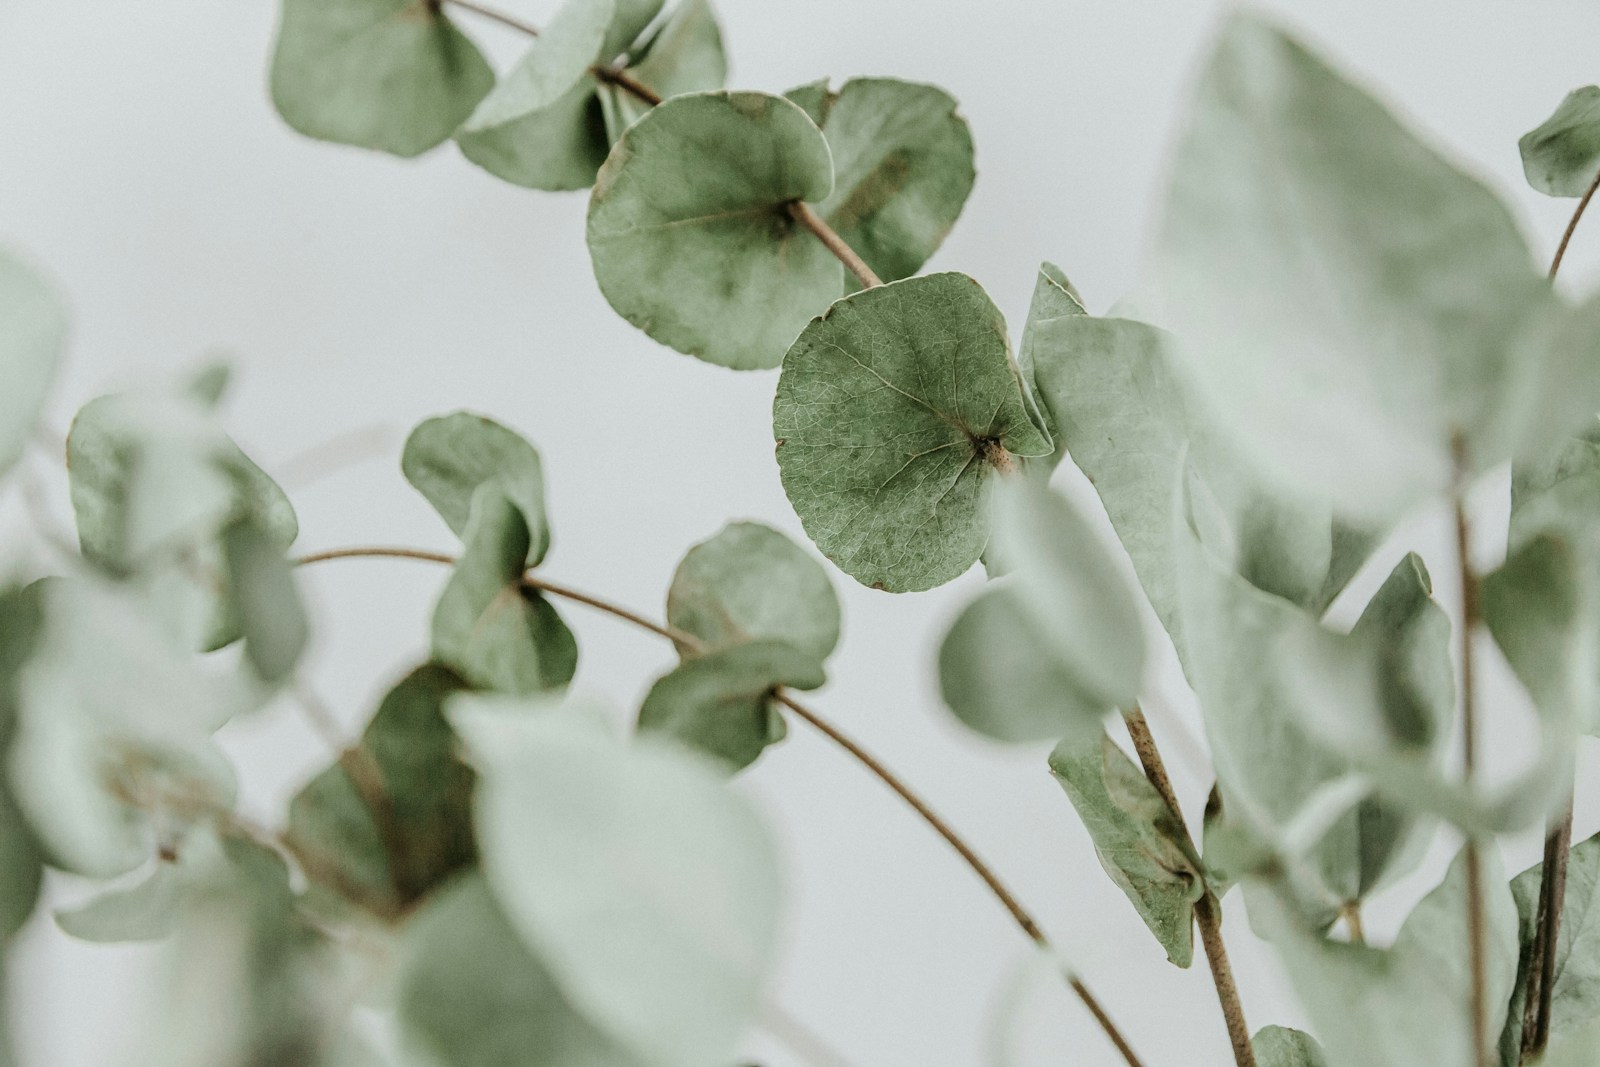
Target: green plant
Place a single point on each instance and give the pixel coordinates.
(1337, 327)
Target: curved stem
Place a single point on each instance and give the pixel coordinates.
(508, 21)
(1208, 909)
(806, 216)
(684, 639)
(1476, 946)
(1572, 225)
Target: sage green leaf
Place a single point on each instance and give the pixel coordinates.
(1141, 843)
(113, 746)
(902, 160)
(1577, 1049)
(1575, 994)
(1053, 298)
(1117, 403)
(496, 632)
(148, 909)
(690, 231)
(721, 703)
(271, 617)
(1559, 493)
(471, 994)
(21, 864)
(33, 333)
(893, 412)
(1561, 156)
(407, 767)
(751, 583)
(1543, 607)
(449, 457)
(1279, 1046)
(1408, 1004)
(394, 75)
(1059, 644)
(21, 870)
(1247, 663)
(1351, 302)
(648, 889)
(683, 55)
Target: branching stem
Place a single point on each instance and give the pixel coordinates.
(1208, 909)
(875, 766)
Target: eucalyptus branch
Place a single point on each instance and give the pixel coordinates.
(1470, 616)
(799, 210)
(876, 767)
(1208, 909)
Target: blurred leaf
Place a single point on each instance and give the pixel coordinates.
(1119, 406)
(1141, 843)
(422, 833)
(1409, 1004)
(1561, 156)
(471, 994)
(721, 703)
(394, 75)
(1347, 298)
(1543, 609)
(902, 160)
(690, 231)
(647, 888)
(449, 457)
(488, 626)
(21, 865)
(683, 55)
(148, 909)
(1575, 994)
(751, 583)
(893, 412)
(271, 618)
(1279, 1046)
(1058, 645)
(113, 746)
(1578, 1049)
(31, 343)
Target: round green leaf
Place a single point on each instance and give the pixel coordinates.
(903, 167)
(1279, 1046)
(893, 411)
(1561, 156)
(448, 457)
(647, 887)
(394, 75)
(489, 627)
(32, 335)
(471, 994)
(690, 231)
(751, 583)
(721, 703)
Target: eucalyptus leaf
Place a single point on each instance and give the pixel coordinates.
(33, 332)
(449, 457)
(1279, 1046)
(1561, 156)
(751, 583)
(1575, 994)
(496, 632)
(1408, 1004)
(150, 908)
(271, 618)
(407, 767)
(684, 54)
(1118, 404)
(21, 863)
(903, 168)
(1347, 298)
(1059, 644)
(721, 703)
(1577, 1049)
(394, 75)
(471, 994)
(690, 231)
(893, 412)
(647, 888)
(1141, 842)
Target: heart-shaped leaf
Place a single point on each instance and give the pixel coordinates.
(690, 230)
(751, 583)
(893, 411)
(394, 75)
(1561, 156)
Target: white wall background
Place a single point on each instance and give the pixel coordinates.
(141, 162)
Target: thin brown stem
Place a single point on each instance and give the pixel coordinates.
(1547, 937)
(627, 82)
(508, 21)
(1350, 912)
(1477, 948)
(807, 217)
(1208, 909)
(876, 767)
(1572, 225)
